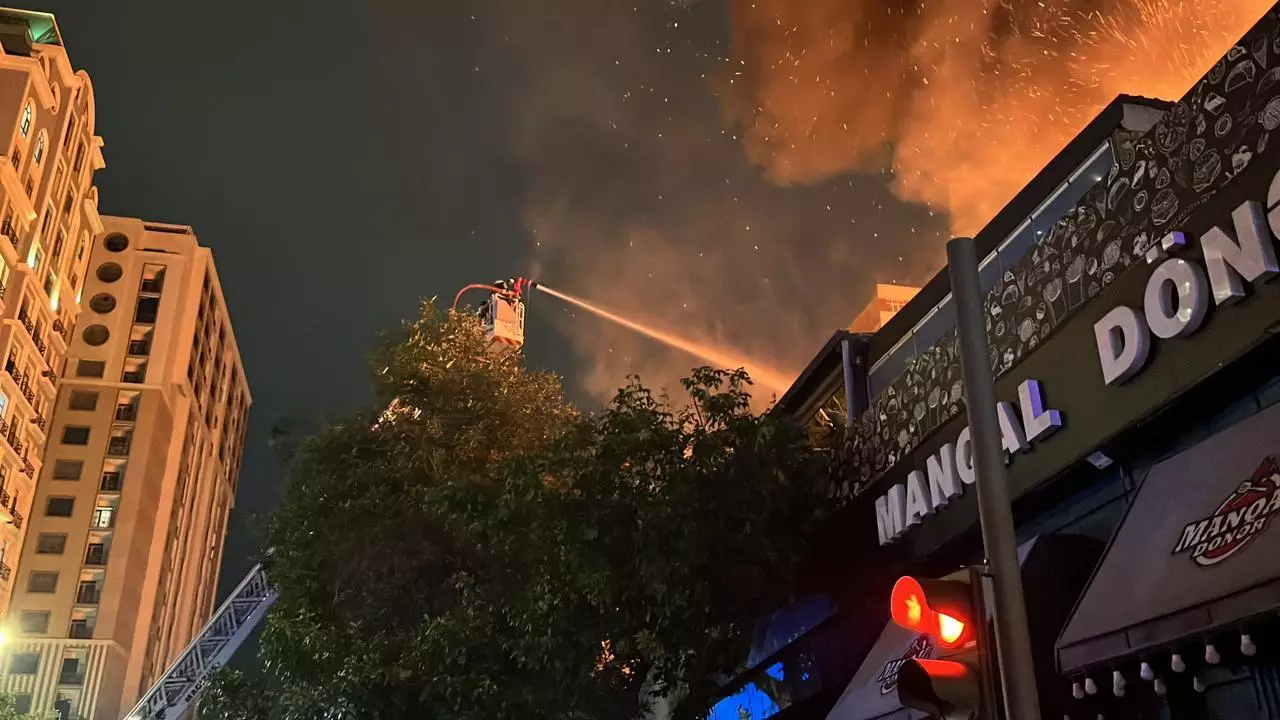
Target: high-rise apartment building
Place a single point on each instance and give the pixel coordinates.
(131, 507)
(886, 303)
(48, 214)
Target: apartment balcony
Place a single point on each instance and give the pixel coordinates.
(6, 572)
(133, 377)
(41, 345)
(39, 421)
(80, 630)
(17, 516)
(88, 594)
(111, 482)
(140, 348)
(95, 555)
(119, 447)
(126, 413)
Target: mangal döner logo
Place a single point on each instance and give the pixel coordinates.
(1241, 517)
(921, 647)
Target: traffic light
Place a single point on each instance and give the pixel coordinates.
(952, 612)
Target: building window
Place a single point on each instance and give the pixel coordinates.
(90, 368)
(152, 278)
(135, 370)
(67, 469)
(28, 113)
(95, 554)
(60, 507)
(83, 400)
(121, 440)
(22, 701)
(81, 629)
(75, 435)
(42, 582)
(104, 518)
(111, 481)
(51, 543)
(146, 311)
(34, 622)
(25, 663)
(37, 155)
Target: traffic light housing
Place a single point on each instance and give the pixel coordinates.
(952, 612)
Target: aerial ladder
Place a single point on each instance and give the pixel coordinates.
(502, 315)
(186, 678)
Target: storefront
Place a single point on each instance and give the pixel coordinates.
(1133, 323)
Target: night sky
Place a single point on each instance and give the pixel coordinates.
(344, 164)
(726, 169)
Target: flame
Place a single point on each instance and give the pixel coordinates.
(964, 100)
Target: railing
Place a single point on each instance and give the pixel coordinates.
(6, 572)
(27, 392)
(5, 498)
(41, 345)
(28, 469)
(39, 421)
(17, 517)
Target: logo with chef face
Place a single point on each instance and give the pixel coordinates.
(1241, 517)
(921, 647)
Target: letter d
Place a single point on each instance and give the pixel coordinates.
(1124, 341)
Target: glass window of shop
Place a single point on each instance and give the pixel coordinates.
(1016, 246)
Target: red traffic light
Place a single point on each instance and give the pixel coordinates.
(940, 608)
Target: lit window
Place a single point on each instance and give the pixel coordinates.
(28, 114)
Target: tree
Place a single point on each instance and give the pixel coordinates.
(9, 710)
(479, 551)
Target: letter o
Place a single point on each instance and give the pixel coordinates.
(1178, 314)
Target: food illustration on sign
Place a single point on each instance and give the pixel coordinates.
(1237, 521)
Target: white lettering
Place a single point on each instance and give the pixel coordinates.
(918, 502)
(1038, 421)
(889, 514)
(1176, 311)
(1252, 259)
(1124, 344)
(942, 476)
(1014, 439)
(964, 458)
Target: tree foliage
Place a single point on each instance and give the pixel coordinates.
(479, 551)
(9, 710)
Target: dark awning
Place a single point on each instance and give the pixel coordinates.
(873, 692)
(1196, 550)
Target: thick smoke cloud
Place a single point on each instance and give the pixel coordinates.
(641, 197)
(974, 96)
(742, 173)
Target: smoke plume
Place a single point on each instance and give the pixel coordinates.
(973, 96)
(742, 173)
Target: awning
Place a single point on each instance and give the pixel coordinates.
(1196, 550)
(873, 692)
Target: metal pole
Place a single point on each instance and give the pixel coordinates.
(850, 396)
(995, 511)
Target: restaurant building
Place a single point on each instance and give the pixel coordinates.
(1133, 326)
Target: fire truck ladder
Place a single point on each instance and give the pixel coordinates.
(183, 682)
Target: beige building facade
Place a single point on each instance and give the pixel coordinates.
(124, 543)
(48, 215)
(886, 303)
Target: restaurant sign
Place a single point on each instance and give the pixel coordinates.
(1240, 518)
(1175, 305)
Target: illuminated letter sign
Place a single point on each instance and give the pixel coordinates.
(1176, 299)
(950, 470)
